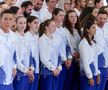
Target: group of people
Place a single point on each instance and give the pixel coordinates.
(53, 45)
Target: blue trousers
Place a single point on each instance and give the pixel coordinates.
(21, 83)
(34, 85)
(6, 87)
(103, 77)
(48, 82)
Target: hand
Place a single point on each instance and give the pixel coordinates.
(98, 79)
(14, 71)
(91, 82)
(56, 72)
(30, 69)
(30, 75)
(68, 63)
(29, 72)
(76, 55)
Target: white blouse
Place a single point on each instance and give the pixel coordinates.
(33, 45)
(88, 54)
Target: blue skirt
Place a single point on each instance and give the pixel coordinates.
(21, 83)
(48, 82)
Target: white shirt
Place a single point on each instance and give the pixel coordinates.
(62, 40)
(33, 45)
(19, 2)
(73, 40)
(45, 14)
(49, 52)
(101, 38)
(37, 14)
(77, 11)
(44, 4)
(7, 48)
(22, 52)
(1, 0)
(88, 54)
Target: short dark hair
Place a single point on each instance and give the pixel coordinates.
(14, 9)
(96, 1)
(47, 1)
(101, 11)
(56, 11)
(25, 4)
(76, 2)
(2, 3)
(7, 11)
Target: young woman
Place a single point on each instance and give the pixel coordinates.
(89, 51)
(32, 39)
(49, 53)
(58, 17)
(24, 72)
(73, 38)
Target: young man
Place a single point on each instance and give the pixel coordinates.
(47, 11)
(7, 51)
(102, 39)
(27, 7)
(37, 9)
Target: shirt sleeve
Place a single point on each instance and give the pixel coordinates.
(20, 66)
(2, 55)
(85, 60)
(44, 55)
